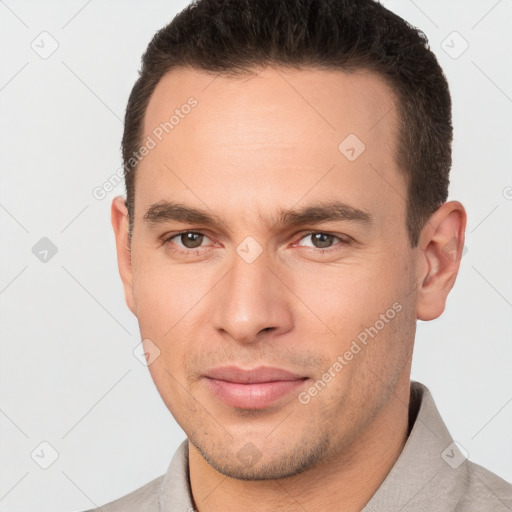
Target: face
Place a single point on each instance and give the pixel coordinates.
(281, 315)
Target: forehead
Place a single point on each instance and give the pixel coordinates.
(276, 130)
(327, 102)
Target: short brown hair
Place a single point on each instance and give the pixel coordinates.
(233, 37)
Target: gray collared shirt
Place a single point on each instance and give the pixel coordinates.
(431, 475)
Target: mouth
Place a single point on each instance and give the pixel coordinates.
(257, 388)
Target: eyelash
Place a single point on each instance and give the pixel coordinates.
(194, 252)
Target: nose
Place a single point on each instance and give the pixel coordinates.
(251, 301)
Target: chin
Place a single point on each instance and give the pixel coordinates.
(249, 463)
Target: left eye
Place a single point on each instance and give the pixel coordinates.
(321, 240)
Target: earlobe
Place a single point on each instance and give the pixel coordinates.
(441, 245)
(120, 224)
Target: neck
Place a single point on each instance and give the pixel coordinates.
(346, 481)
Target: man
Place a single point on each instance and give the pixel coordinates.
(287, 168)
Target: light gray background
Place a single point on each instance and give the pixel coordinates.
(67, 369)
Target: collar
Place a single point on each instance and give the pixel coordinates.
(431, 468)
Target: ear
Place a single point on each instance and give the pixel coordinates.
(120, 223)
(441, 244)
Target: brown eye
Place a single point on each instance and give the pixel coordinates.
(191, 240)
(187, 243)
(320, 240)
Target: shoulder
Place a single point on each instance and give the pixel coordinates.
(485, 491)
(143, 499)
(168, 491)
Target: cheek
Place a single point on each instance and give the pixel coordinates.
(361, 313)
(164, 295)
(346, 298)
(167, 375)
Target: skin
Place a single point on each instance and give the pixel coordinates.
(251, 147)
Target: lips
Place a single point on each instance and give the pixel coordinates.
(257, 388)
(257, 375)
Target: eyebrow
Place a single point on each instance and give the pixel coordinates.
(166, 211)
